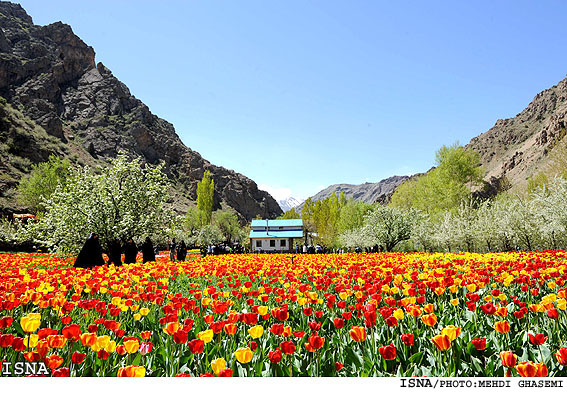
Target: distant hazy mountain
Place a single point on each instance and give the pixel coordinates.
(290, 203)
(367, 192)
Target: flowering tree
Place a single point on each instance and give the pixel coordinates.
(124, 200)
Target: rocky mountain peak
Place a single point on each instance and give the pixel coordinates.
(49, 75)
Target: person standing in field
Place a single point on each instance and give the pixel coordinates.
(115, 253)
(148, 253)
(172, 250)
(181, 251)
(91, 253)
(130, 251)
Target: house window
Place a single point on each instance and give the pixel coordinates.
(258, 243)
(272, 243)
(282, 243)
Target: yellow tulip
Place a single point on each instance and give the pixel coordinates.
(137, 317)
(243, 355)
(262, 310)
(256, 331)
(454, 302)
(144, 311)
(30, 322)
(218, 365)
(562, 304)
(452, 332)
(100, 343)
(33, 339)
(111, 347)
(399, 314)
(206, 336)
(132, 346)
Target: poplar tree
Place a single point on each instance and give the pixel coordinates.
(205, 192)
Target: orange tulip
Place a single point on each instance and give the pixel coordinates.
(429, 308)
(131, 371)
(541, 370)
(442, 341)
(230, 329)
(508, 359)
(53, 361)
(358, 333)
(171, 328)
(502, 327)
(527, 369)
(56, 341)
(88, 339)
(429, 319)
(132, 346)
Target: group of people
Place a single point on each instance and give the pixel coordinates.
(177, 251)
(91, 253)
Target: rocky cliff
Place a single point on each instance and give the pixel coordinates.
(57, 99)
(517, 148)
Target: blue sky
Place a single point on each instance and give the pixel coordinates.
(299, 95)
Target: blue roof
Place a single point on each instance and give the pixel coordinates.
(274, 234)
(296, 222)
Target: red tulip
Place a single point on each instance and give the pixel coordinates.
(561, 356)
(6, 340)
(275, 356)
(479, 343)
(6, 322)
(488, 308)
(78, 357)
(388, 352)
(553, 313)
(196, 346)
(253, 345)
(508, 358)
(277, 328)
(339, 323)
(180, 336)
(288, 347)
(18, 344)
(227, 372)
(316, 341)
(538, 339)
(61, 372)
(408, 339)
(72, 332)
(338, 366)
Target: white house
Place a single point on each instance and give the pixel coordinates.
(275, 235)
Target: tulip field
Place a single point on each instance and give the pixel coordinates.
(352, 315)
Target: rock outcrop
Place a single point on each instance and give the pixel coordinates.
(517, 148)
(50, 78)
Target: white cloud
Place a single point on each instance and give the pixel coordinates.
(278, 193)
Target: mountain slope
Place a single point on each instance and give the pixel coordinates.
(368, 192)
(518, 148)
(49, 76)
(511, 152)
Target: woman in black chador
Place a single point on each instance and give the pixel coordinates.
(91, 253)
(130, 251)
(148, 253)
(181, 251)
(115, 253)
